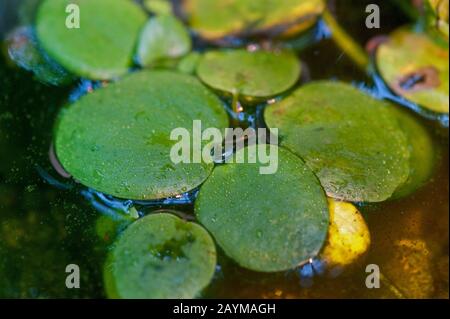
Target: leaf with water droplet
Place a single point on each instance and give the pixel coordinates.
(130, 134)
(163, 37)
(252, 75)
(351, 141)
(102, 47)
(416, 68)
(265, 222)
(160, 256)
(214, 19)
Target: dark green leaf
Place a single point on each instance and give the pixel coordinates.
(117, 139)
(160, 256)
(350, 140)
(267, 223)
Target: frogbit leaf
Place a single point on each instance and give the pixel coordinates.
(103, 45)
(158, 6)
(416, 68)
(160, 256)
(214, 19)
(120, 143)
(423, 151)
(351, 141)
(265, 222)
(163, 37)
(254, 75)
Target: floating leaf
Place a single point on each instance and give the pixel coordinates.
(24, 50)
(265, 222)
(423, 156)
(120, 143)
(438, 15)
(160, 256)
(351, 141)
(189, 63)
(163, 37)
(348, 236)
(259, 74)
(102, 47)
(214, 19)
(416, 68)
(158, 6)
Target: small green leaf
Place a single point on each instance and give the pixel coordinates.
(416, 68)
(258, 75)
(160, 256)
(214, 19)
(103, 45)
(163, 37)
(189, 63)
(350, 140)
(117, 139)
(158, 6)
(270, 222)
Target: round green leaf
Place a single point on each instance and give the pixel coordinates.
(423, 153)
(416, 68)
(163, 37)
(158, 6)
(189, 63)
(214, 19)
(350, 140)
(117, 139)
(259, 74)
(270, 222)
(103, 45)
(160, 256)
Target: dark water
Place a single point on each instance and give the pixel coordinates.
(44, 225)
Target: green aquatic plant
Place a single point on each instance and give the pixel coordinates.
(160, 256)
(189, 63)
(437, 16)
(163, 37)
(423, 154)
(249, 75)
(351, 141)
(158, 6)
(117, 139)
(261, 232)
(416, 67)
(102, 47)
(217, 19)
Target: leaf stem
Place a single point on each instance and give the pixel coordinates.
(346, 42)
